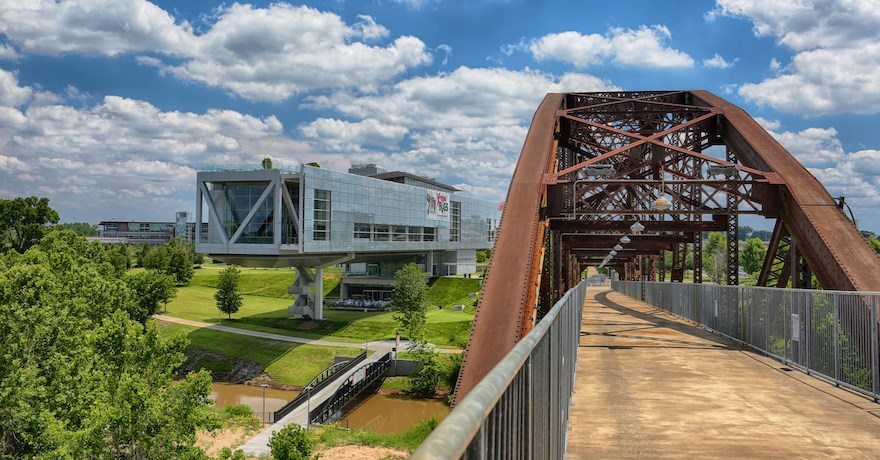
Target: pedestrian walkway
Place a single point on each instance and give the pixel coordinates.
(651, 386)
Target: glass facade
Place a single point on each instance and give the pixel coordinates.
(339, 213)
(368, 214)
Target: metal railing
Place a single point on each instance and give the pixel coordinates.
(520, 409)
(831, 334)
(361, 379)
(321, 380)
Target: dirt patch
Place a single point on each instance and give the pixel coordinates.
(213, 441)
(362, 453)
(222, 367)
(306, 325)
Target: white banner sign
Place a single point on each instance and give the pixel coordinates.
(438, 205)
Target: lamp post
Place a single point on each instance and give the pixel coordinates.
(308, 405)
(263, 386)
(366, 338)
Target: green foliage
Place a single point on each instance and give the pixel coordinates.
(80, 378)
(751, 256)
(313, 163)
(875, 243)
(24, 221)
(117, 255)
(228, 297)
(267, 163)
(180, 266)
(80, 228)
(453, 369)
(715, 256)
(334, 435)
(484, 256)
(151, 289)
(291, 443)
(156, 258)
(424, 381)
(408, 301)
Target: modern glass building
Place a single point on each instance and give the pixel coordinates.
(314, 218)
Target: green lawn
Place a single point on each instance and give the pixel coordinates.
(266, 302)
(287, 363)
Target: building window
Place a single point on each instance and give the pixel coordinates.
(399, 233)
(380, 232)
(362, 231)
(455, 222)
(429, 234)
(414, 233)
(321, 221)
(490, 230)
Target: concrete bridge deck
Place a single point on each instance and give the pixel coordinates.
(651, 386)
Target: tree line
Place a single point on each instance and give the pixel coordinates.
(83, 372)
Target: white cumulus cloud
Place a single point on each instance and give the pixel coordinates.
(644, 46)
(265, 54)
(837, 54)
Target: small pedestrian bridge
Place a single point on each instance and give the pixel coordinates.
(326, 396)
(765, 372)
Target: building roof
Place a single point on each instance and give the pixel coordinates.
(390, 176)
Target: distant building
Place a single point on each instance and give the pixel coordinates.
(316, 218)
(137, 233)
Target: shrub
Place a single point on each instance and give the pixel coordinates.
(291, 443)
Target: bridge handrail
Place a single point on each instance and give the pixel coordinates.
(350, 389)
(528, 428)
(830, 334)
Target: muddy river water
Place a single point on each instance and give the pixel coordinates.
(378, 413)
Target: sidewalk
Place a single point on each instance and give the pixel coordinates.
(375, 345)
(651, 386)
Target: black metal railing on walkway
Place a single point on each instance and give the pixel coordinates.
(320, 381)
(360, 380)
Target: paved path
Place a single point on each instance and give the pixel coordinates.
(650, 386)
(404, 344)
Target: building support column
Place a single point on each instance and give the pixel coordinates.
(310, 287)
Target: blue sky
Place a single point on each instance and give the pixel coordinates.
(109, 107)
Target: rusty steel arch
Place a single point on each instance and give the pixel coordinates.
(594, 163)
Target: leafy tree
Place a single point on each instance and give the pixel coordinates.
(228, 297)
(80, 378)
(141, 254)
(151, 289)
(291, 443)
(80, 228)
(313, 163)
(408, 300)
(267, 163)
(752, 255)
(715, 256)
(424, 381)
(875, 243)
(180, 266)
(484, 256)
(156, 258)
(118, 256)
(23, 221)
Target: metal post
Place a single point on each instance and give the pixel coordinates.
(308, 406)
(875, 361)
(366, 338)
(837, 373)
(263, 418)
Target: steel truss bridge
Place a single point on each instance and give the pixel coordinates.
(594, 164)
